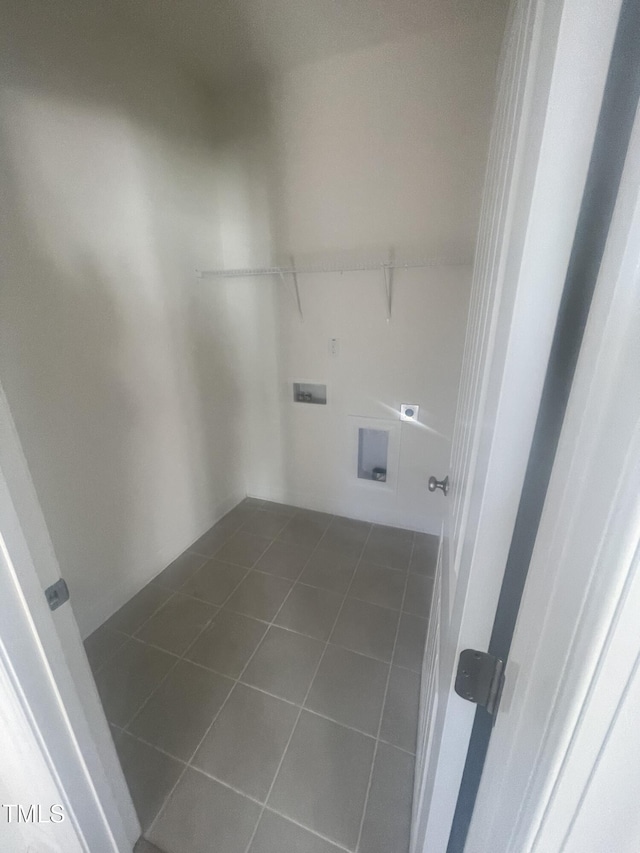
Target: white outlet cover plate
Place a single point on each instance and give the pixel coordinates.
(409, 412)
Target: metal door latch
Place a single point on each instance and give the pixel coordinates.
(57, 594)
(480, 679)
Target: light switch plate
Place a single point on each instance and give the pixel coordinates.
(409, 412)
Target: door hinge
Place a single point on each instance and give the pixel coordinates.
(480, 679)
(57, 594)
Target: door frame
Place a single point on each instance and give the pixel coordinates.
(607, 161)
(570, 688)
(43, 653)
(539, 160)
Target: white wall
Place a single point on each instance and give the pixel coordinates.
(387, 146)
(379, 150)
(118, 364)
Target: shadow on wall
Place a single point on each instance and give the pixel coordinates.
(248, 203)
(122, 177)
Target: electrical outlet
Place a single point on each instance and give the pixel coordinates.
(409, 412)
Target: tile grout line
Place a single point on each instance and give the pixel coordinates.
(173, 593)
(110, 656)
(288, 577)
(208, 557)
(237, 681)
(241, 793)
(384, 702)
(314, 832)
(301, 708)
(178, 657)
(239, 528)
(296, 580)
(181, 657)
(140, 626)
(280, 699)
(189, 646)
(133, 636)
(321, 589)
(187, 764)
(283, 628)
(306, 696)
(180, 591)
(219, 711)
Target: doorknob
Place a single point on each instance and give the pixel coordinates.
(439, 484)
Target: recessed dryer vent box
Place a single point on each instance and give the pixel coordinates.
(373, 452)
(409, 412)
(305, 392)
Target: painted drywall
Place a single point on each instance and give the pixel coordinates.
(378, 151)
(119, 367)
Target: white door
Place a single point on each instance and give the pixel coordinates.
(553, 69)
(563, 768)
(41, 652)
(33, 814)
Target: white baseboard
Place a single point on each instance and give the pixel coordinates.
(390, 516)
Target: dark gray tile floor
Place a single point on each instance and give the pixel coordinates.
(263, 689)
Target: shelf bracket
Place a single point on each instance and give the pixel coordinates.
(387, 274)
(296, 289)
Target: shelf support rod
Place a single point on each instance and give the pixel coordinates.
(294, 276)
(388, 288)
(296, 293)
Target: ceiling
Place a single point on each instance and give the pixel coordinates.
(218, 38)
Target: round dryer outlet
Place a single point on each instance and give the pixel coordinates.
(409, 412)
